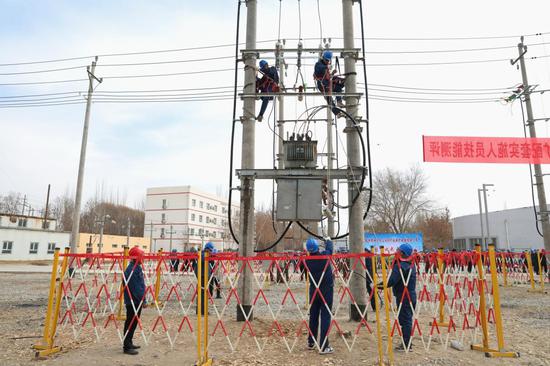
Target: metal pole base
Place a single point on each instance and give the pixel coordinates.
(46, 351)
(493, 353)
(209, 362)
(243, 311)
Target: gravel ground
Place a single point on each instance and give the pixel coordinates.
(24, 300)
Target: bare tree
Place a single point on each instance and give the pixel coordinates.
(437, 229)
(9, 204)
(398, 198)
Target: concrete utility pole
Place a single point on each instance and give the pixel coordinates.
(356, 237)
(247, 162)
(128, 229)
(543, 208)
(487, 213)
(45, 224)
(171, 232)
(80, 180)
(483, 242)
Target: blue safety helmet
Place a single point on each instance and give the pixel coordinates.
(263, 63)
(327, 55)
(312, 246)
(209, 246)
(406, 249)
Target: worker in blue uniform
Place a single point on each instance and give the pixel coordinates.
(208, 248)
(268, 83)
(134, 298)
(328, 83)
(398, 283)
(368, 276)
(320, 275)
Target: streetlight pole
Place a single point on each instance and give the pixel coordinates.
(487, 211)
(101, 227)
(483, 242)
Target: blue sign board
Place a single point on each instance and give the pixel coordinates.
(391, 241)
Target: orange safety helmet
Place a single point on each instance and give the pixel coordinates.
(136, 252)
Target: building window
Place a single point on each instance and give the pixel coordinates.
(6, 247)
(192, 232)
(115, 245)
(207, 219)
(207, 206)
(33, 248)
(200, 218)
(163, 218)
(213, 234)
(22, 223)
(164, 204)
(192, 217)
(201, 231)
(51, 247)
(201, 204)
(214, 220)
(215, 208)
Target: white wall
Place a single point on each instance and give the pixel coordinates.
(521, 233)
(22, 239)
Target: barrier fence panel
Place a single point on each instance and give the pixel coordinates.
(433, 299)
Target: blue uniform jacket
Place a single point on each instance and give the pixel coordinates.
(270, 76)
(316, 268)
(396, 282)
(136, 284)
(322, 73)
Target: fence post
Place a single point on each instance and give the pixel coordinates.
(387, 302)
(482, 314)
(120, 316)
(377, 308)
(441, 274)
(51, 296)
(58, 297)
(199, 308)
(530, 269)
(499, 352)
(157, 281)
(206, 292)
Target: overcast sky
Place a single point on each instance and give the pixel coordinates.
(133, 146)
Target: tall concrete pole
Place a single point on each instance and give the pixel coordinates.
(280, 124)
(357, 282)
(543, 208)
(246, 244)
(483, 242)
(80, 180)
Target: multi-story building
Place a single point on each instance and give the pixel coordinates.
(29, 237)
(184, 217)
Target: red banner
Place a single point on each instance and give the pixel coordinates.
(459, 149)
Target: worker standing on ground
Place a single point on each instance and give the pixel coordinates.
(208, 248)
(403, 276)
(268, 83)
(134, 298)
(321, 290)
(327, 82)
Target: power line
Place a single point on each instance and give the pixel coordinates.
(124, 54)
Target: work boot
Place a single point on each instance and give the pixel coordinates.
(133, 346)
(340, 104)
(130, 351)
(259, 118)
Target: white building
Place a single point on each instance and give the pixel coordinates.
(29, 237)
(184, 217)
(512, 229)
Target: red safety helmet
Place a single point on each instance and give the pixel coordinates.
(136, 252)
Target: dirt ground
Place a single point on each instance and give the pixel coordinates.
(23, 304)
